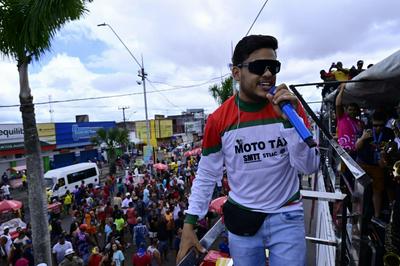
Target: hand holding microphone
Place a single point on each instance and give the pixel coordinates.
(285, 100)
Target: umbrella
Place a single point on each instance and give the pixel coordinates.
(8, 205)
(216, 205)
(196, 151)
(160, 167)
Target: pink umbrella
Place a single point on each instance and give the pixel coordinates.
(160, 167)
(196, 151)
(8, 205)
(216, 204)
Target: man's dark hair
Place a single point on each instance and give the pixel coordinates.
(354, 105)
(249, 44)
(379, 116)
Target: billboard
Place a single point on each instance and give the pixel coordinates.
(163, 128)
(12, 135)
(76, 134)
(193, 127)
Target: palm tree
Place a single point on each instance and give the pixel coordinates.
(223, 92)
(112, 138)
(27, 28)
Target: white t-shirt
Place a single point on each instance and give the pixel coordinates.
(6, 189)
(59, 250)
(125, 204)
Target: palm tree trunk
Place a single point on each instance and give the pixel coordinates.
(34, 165)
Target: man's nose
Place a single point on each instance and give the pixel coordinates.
(267, 72)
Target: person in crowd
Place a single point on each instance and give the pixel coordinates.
(349, 127)
(153, 223)
(120, 226)
(341, 74)
(16, 253)
(131, 217)
(141, 257)
(28, 252)
(125, 202)
(95, 258)
(24, 179)
(355, 71)
(117, 200)
(369, 147)
(170, 225)
(118, 257)
(4, 178)
(70, 259)
(108, 229)
(60, 248)
(6, 191)
(22, 238)
(264, 187)
(162, 236)
(140, 232)
(326, 77)
(82, 243)
(155, 254)
(67, 202)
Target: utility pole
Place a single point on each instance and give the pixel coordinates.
(51, 111)
(123, 113)
(141, 74)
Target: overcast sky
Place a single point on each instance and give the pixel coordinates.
(189, 43)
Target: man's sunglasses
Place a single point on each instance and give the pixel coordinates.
(259, 67)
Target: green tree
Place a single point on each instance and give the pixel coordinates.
(27, 28)
(112, 138)
(222, 92)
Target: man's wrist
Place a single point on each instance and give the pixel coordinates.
(191, 219)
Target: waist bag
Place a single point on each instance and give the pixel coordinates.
(240, 221)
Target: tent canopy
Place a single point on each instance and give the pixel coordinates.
(17, 168)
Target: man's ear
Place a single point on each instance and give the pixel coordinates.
(236, 73)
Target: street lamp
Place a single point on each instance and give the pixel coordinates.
(141, 74)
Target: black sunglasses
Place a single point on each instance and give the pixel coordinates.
(259, 67)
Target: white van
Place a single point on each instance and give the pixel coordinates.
(58, 181)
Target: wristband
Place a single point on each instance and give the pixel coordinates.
(191, 219)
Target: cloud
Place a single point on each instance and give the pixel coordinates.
(190, 42)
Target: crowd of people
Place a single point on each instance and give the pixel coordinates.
(337, 72)
(371, 137)
(137, 216)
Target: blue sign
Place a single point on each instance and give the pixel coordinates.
(78, 134)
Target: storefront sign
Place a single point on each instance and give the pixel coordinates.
(12, 135)
(73, 134)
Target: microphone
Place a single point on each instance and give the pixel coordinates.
(296, 121)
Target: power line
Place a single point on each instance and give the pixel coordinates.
(151, 84)
(173, 87)
(189, 86)
(252, 24)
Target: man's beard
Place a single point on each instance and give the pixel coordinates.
(252, 95)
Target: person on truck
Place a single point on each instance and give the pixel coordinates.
(262, 154)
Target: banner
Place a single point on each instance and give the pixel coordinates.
(12, 135)
(75, 134)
